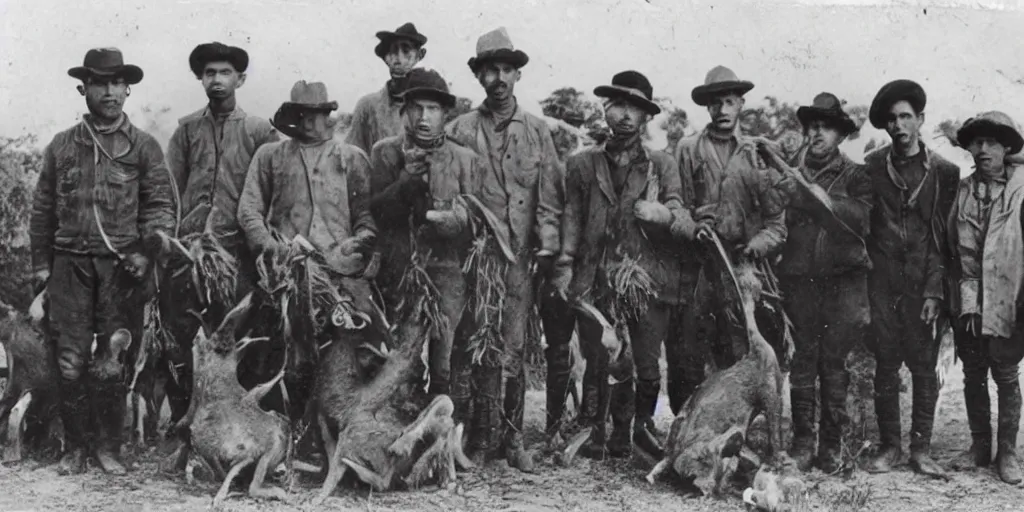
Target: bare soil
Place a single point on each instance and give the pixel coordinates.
(589, 486)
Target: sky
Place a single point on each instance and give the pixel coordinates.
(966, 57)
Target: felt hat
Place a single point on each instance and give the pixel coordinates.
(993, 124)
(892, 92)
(305, 97)
(217, 52)
(719, 80)
(106, 63)
(406, 32)
(427, 83)
(496, 45)
(631, 86)
(827, 107)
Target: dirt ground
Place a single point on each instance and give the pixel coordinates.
(589, 486)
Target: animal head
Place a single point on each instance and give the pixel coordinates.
(706, 463)
(749, 283)
(773, 490)
(107, 364)
(222, 340)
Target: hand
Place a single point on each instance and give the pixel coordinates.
(545, 262)
(446, 223)
(136, 264)
(412, 189)
(653, 212)
(39, 280)
(355, 244)
(930, 310)
(755, 249)
(971, 324)
(561, 276)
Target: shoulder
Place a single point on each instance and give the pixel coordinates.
(687, 145)
(64, 137)
(146, 141)
(348, 153)
(660, 158)
(265, 150)
(367, 100)
(460, 152)
(256, 124)
(582, 158)
(387, 146)
(464, 121)
(192, 118)
(536, 123)
(946, 169)
(877, 157)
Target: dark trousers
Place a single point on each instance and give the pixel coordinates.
(898, 337)
(1001, 357)
(830, 316)
(92, 296)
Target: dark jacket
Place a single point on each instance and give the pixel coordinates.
(209, 165)
(812, 248)
(907, 244)
(376, 117)
(599, 223)
(133, 197)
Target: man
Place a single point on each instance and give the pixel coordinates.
(419, 175)
(377, 115)
(209, 156)
(823, 277)
(518, 149)
(913, 189)
(987, 247)
(103, 191)
(312, 185)
(621, 202)
(728, 191)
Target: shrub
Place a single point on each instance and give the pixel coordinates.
(20, 164)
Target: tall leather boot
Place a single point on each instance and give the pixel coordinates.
(622, 409)
(834, 419)
(74, 413)
(644, 436)
(485, 439)
(600, 393)
(462, 391)
(804, 405)
(108, 404)
(559, 322)
(926, 395)
(556, 392)
(887, 409)
(979, 417)
(1009, 421)
(515, 401)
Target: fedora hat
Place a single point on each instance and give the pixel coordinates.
(827, 107)
(496, 45)
(631, 86)
(993, 124)
(107, 63)
(427, 83)
(406, 32)
(892, 92)
(719, 80)
(217, 52)
(305, 97)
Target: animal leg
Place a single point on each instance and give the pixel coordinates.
(335, 470)
(15, 428)
(439, 408)
(773, 416)
(458, 450)
(573, 447)
(659, 468)
(232, 473)
(328, 440)
(367, 475)
(256, 488)
(423, 467)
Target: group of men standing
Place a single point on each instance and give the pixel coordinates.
(880, 252)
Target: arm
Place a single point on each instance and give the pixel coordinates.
(572, 218)
(156, 201)
(359, 196)
(773, 211)
(266, 133)
(357, 133)
(947, 185)
(386, 203)
(551, 195)
(252, 206)
(43, 223)
(177, 162)
(683, 224)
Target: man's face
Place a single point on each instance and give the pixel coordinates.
(220, 79)
(105, 96)
(313, 124)
(988, 154)
(725, 110)
(624, 117)
(402, 56)
(425, 116)
(822, 138)
(499, 79)
(903, 124)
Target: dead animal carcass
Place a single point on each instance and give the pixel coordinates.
(367, 425)
(713, 423)
(228, 427)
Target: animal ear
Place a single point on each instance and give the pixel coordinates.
(235, 317)
(119, 342)
(730, 443)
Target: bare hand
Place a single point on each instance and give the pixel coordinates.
(39, 280)
(930, 310)
(354, 244)
(136, 264)
(653, 212)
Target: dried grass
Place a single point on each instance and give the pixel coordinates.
(485, 270)
(633, 288)
(420, 297)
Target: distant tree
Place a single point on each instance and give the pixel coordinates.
(462, 105)
(342, 124)
(676, 124)
(948, 129)
(571, 105)
(20, 163)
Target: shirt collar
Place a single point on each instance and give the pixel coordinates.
(82, 132)
(517, 116)
(237, 113)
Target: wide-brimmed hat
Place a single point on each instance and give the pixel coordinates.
(217, 52)
(496, 45)
(631, 86)
(827, 107)
(106, 63)
(305, 97)
(993, 124)
(406, 32)
(427, 83)
(719, 80)
(892, 92)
